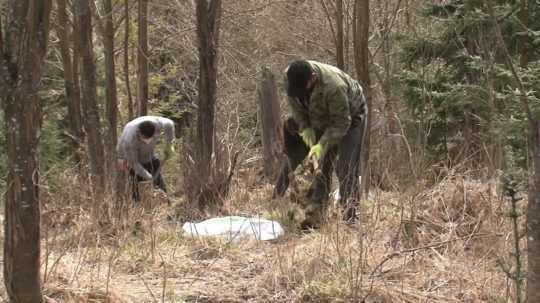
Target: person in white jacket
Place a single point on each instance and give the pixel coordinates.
(136, 150)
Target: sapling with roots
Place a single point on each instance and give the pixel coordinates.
(512, 188)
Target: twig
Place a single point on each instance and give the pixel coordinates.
(387, 28)
(430, 246)
(111, 259)
(164, 287)
(435, 245)
(327, 14)
(148, 288)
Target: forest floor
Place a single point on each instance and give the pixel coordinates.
(440, 243)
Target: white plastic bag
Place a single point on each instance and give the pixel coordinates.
(235, 228)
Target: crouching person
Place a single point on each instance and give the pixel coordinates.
(136, 151)
(327, 124)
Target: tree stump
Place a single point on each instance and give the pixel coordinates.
(272, 136)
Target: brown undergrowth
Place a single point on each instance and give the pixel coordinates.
(433, 244)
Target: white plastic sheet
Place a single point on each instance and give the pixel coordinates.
(235, 228)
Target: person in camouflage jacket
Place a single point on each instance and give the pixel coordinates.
(328, 122)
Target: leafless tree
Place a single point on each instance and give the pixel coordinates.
(142, 59)
(361, 58)
(339, 35)
(22, 51)
(208, 22)
(89, 96)
(70, 64)
(338, 32)
(126, 61)
(110, 87)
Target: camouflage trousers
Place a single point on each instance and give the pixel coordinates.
(347, 167)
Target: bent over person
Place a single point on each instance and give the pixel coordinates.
(327, 124)
(136, 150)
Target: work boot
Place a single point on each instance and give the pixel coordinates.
(350, 216)
(314, 217)
(282, 182)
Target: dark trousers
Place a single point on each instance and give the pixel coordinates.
(347, 166)
(153, 168)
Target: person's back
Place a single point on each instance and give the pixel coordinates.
(334, 78)
(136, 149)
(332, 101)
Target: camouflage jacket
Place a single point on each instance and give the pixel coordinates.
(335, 101)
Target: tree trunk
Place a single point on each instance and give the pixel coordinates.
(393, 150)
(22, 53)
(89, 98)
(112, 101)
(142, 59)
(208, 21)
(533, 223)
(339, 35)
(524, 39)
(533, 207)
(347, 24)
(272, 137)
(76, 61)
(126, 62)
(361, 58)
(71, 79)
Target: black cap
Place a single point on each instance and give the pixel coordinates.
(147, 129)
(298, 75)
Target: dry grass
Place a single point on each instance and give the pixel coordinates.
(423, 244)
(438, 245)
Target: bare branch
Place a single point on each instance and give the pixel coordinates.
(327, 13)
(1, 37)
(388, 27)
(98, 18)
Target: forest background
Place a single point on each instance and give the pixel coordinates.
(453, 141)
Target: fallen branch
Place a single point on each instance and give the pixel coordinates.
(410, 250)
